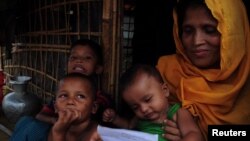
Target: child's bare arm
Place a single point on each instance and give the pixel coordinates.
(47, 113)
(55, 137)
(95, 137)
(109, 115)
(46, 118)
(62, 125)
(188, 127)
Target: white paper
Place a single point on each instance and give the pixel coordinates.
(114, 134)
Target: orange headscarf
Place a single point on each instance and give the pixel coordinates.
(215, 96)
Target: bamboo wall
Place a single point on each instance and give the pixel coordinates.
(46, 30)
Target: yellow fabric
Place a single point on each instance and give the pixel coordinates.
(215, 96)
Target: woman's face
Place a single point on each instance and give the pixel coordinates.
(200, 38)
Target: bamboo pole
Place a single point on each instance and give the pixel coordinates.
(106, 44)
(111, 30)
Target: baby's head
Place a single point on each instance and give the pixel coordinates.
(85, 57)
(143, 89)
(77, 92)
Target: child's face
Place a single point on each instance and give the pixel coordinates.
(82, 59)
(76, 94)
(148, 98)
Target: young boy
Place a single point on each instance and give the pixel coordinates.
(75, 104)
(86, 58)
(143, 89)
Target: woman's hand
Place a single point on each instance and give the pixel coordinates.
(172, 132)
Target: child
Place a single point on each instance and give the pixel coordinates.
(86, 58)
(143, 90)
(74, 104)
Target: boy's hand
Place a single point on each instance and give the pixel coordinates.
(65, 119)
(109, 115)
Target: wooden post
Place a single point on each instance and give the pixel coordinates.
(111, 44)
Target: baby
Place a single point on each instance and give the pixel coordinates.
(143, 89)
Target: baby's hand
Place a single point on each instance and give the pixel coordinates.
(109, 115)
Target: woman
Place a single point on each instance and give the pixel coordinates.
(209, 73)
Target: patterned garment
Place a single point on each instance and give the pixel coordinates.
(30, 129)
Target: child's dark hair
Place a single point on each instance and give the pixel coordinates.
(129, 76)
(84, 78)
(182, 7)
(97, 49)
